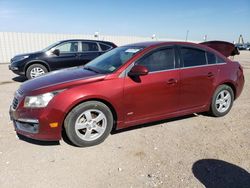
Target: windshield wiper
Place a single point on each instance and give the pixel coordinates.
(91, 69)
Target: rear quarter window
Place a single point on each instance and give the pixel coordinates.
(211, 58)
(104, 47)
(219, 60)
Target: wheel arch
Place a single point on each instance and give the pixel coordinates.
(36, 62)
(230, 84)
(107, 103)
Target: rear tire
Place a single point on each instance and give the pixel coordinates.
(222, 101)
(88, 124)
(35, 70)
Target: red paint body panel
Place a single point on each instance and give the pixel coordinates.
(152, 97)
(197, 86)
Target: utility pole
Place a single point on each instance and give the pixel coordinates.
(187, 35)
(205, 38)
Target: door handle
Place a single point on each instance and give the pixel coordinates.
(210, 74)
(172, 81)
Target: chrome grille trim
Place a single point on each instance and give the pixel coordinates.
(14, 103)
(19, 92)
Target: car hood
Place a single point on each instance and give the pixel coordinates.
(31, 53)
(62, 78)
(16, 57)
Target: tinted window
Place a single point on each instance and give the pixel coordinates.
(113, 59)
(68, 47)
(104, 47)
(193, 57)
(219, 60)
(159, 60)
(89, 47)
(211, 58)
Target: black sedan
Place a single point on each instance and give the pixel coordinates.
(62, 54)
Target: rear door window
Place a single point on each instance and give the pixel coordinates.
(193, 57)
(89, 47)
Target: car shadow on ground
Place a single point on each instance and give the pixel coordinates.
(66, 140)
(152, 124)
(19, 79)
(37, 142)
(214, 173)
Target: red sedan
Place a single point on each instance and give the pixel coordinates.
(127, 86)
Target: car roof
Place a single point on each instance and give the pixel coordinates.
(87, 40)
(155, 44)
(159, 43)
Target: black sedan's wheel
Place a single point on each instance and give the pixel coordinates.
(35, 70)
(88, 124)
(222, 101)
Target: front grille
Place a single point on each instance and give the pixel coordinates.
(14, 103)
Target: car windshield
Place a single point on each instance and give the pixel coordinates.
(50, 46)
(112, 60)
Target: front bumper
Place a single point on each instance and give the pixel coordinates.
(27, 125)
(35, 123)
(16, 70)
(13, 68)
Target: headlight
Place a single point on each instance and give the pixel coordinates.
(19, 58)
(39, 101)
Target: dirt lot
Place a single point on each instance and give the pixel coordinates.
(192, 151)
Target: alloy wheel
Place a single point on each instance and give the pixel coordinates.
(36, 71)
(90, 125)
(223, 101)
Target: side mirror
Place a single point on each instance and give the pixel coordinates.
(56, 52)
(138, 70)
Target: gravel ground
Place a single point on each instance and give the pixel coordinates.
(190, 151)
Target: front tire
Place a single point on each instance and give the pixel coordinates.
(35, 70)
(222, 101)
(88, 124)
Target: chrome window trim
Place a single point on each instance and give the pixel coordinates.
(125, 72)
(163, 70)
(207, 65)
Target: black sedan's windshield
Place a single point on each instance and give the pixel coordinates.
(112, 60)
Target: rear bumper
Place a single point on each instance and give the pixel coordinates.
(240, 84)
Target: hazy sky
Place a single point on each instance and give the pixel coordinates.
(218, 19)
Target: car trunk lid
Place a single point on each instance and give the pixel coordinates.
(225, 48)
